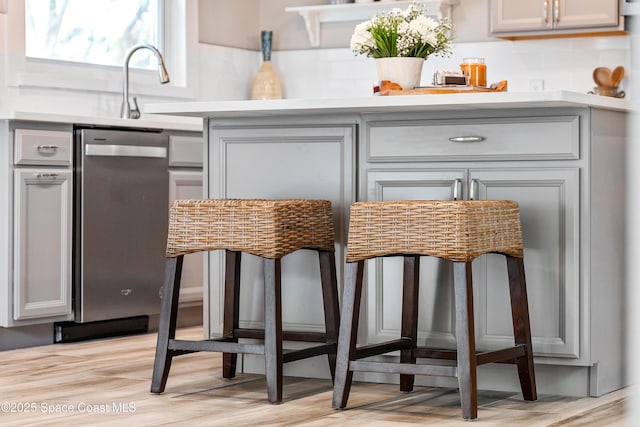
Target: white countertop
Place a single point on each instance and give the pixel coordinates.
(146, 121)
(187, 115)
(373, 104)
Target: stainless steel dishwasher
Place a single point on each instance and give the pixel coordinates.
(121, 207)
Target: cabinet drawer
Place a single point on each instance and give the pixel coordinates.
(185, 151)
(513, 138)
(43, 147)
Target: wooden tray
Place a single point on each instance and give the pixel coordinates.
(430, 90)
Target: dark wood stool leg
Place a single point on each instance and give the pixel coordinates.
(410, 281)
(273, 329)
(348, 336)
(231, 309)
(463, 288)
(331, 304)
(521, 326)
(167, 323)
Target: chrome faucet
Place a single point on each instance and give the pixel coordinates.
(126, 112)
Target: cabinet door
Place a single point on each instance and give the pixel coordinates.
(585, 13)
(521, 15)
(188, 185)
(185, 151)
(42, 243)
(549, 210)
(535, 15)
(307, 161)
(384, 275)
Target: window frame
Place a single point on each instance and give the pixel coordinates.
(179, 37)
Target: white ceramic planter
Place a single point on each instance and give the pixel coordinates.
(401, 70)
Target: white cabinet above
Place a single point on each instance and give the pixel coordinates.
(316, 15)
(522, 18)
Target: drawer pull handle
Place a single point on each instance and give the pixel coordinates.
(467, 139)
(47, 148)
(46, 175)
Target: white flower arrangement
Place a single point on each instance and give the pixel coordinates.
(404, 33)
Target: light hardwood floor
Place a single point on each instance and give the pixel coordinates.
(106, 382)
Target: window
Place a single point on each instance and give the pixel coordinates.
(176, 21)
(94, 32)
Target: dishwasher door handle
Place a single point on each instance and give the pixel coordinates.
(104, 150)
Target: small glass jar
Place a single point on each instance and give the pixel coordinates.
(476, 71)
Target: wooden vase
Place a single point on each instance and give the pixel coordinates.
(266, 83)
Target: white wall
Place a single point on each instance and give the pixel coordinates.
(561, 64)
(224, 73)
(333, 71)
(633, 235)
(3, 82)
(232, 24)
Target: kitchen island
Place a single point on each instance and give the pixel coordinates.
(560, 155)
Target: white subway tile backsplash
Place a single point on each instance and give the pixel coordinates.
(562, 64)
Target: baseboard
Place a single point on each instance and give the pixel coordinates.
(64, 332)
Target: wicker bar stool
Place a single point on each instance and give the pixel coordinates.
(458, 231)
(269, 229)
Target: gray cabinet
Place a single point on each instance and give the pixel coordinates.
(549, 206)
(264, 159)
(42, 225)
(562, 166)
(37, 221)
(518, 17)
(549, 209)
(42, 243)
(185, 182)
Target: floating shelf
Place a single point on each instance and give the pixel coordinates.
(316, 15)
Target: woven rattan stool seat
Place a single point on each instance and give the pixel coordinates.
(453, 230)
(267, 228)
